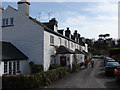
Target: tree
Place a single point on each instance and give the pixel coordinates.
(103, 36)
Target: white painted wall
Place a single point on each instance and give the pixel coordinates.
(119, 19)
(31, 38)
(68, 62)
(26, 35)
(50, 50)
(25, 67)
(80, 58)
(1, 68)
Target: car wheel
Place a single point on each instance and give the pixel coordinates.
(117, 79)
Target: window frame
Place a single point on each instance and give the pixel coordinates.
(51, 39)
(7, 21)
(5, 67)
(66, 43)
(18, 66)
(3, 22)
(11, 21)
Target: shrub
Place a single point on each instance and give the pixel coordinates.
(35, 68)
(33, 80)
(75, 67)
(54, 66)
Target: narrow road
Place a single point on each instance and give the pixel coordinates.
(87, 78)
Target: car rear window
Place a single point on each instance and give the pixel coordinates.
(112, 64)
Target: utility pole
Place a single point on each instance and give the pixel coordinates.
(49, 15)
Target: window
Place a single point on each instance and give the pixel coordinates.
(18, 66)
(3, 22)
(14, 68)
(6, 21)
(51, 39)
(75, 46)
(11, 21)
(71, 45)
(10, 68)
(52, 59)
(60, 40)
(68, 44)
(65, 43)
(5, 67)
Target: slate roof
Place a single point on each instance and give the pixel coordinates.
(85, 52)
(78, 51)
(64, 50)
(10, 52)
(51, 31)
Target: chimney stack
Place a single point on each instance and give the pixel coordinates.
(53, 24)
(68, 33)
(23, 6)
(76, 36)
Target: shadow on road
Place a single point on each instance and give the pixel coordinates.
(108, 80)
(112, 84)
(102, 75)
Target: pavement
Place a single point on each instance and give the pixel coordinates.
(87, 78)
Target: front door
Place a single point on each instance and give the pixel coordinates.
(63, 60)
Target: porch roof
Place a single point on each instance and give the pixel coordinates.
(78, 51)
(86, 53)
(64, 50)
(9, 52)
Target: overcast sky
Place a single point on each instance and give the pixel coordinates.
(89, 18)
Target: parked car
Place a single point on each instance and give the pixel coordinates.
(110, 66)
(117, 74)
(108, 60)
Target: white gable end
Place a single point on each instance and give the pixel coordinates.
(25, 34)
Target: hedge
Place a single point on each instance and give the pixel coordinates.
(54, 66)
(35, 68)
(30, 81)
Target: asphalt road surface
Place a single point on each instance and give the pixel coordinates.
(87, 78)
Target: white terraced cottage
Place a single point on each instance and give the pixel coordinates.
(26, 39)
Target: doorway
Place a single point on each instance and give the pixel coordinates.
(63, 60)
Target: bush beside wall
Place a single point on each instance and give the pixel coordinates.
(54, 66)
(33, 80)
(35, 68)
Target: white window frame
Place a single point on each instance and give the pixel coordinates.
(51, 39)
(5, 67)
(11, 21)
(7, 21)
(66, 43)
(17, 68)
(3, 22)
(60, 41)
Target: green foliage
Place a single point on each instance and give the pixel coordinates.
(33, 80)
(54, 66)
(75, 67)
(114, 51)
(35, 68)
